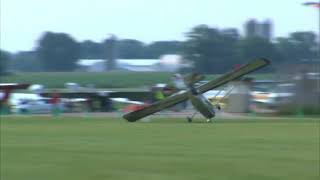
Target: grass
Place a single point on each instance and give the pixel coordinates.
(82, 148)
(100, 80)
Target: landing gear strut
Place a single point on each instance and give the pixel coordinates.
(189, 118)
(218, 107)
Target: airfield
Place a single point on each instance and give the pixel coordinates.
(104, 146)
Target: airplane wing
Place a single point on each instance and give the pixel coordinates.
(243, 70)
(158, 106)
(183, 95)
(12, 86)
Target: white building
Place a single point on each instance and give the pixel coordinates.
(166, 63)
(91, 65)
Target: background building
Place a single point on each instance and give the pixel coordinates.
(165, 63)
(256, 29)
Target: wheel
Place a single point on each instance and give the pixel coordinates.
(218, 107)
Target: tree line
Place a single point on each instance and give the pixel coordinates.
(211, 50)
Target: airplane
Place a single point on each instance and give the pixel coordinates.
(5, 92)
(195, 94)
(7, 88)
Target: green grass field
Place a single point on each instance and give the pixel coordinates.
(100, 80)
(46, 148)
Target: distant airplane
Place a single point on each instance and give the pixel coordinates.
(195, 94)
(7, 88)
(5, 91)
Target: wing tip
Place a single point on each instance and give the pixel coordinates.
(265, 60)
(126, 117)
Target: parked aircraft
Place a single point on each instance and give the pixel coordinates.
(195, 94)
(31, 103)
(279, 95)
(7, 88)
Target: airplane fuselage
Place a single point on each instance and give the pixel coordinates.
(201, 104)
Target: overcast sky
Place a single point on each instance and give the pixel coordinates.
(23, 21)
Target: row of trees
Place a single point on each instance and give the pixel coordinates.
(214, 50)
(211, 50)
(129, 49)
(4, 59)
(59, 52)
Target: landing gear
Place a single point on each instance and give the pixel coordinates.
(218, 107)
(189, 118)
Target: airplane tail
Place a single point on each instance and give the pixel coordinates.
(178, 81)
(183, 82)
(193, 78)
